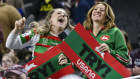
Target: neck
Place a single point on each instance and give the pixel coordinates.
(56, 32)
(96, 27)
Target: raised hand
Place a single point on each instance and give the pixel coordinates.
(19, 25)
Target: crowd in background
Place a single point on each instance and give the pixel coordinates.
(36, 10)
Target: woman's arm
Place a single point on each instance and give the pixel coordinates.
(120, 52)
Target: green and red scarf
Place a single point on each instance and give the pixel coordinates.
(46, 66)
(80, 47)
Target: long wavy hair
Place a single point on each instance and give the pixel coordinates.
(109, 18)
(46, 27)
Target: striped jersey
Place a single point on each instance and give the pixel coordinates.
(41, 42)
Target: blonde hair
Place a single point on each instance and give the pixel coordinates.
(14, 58)
(45, 28)
(109, 18)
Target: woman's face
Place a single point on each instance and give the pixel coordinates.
(59, 19)
(6, 62)
(98, 13)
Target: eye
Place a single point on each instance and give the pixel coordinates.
(65, 15)
(102, 10)
(9, 61)
(95, 9)
(58, 13)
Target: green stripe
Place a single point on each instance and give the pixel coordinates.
(40, 49)
(49, 41)
(55, 64)
(74, 41)
(23, 39)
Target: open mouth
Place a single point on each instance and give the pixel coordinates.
(61, 20)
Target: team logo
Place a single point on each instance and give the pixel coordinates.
(105, 37)
(28, 67)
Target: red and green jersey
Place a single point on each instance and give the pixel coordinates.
(115, 40)
(41, 42)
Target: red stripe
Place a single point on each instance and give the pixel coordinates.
(27, 38)
(117, 66)
(39, 44)
(44, 57)
(51, 37)
(122, 58)
(74, 57)
(37, 54)
(35, 32)
(65, 71)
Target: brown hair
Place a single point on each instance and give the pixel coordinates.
(109, 18)
(127, 40)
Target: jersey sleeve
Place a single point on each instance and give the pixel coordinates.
(16, 41)
(120, 52)
(26, 36)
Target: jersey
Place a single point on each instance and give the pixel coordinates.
(115, 40)
(42, 44)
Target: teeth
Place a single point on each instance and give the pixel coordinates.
(96, 15)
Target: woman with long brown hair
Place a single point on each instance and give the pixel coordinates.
(100, 23)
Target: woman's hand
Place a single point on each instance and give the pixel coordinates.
(62, 59)
(19, 25)
(136, 70)
(103, 47)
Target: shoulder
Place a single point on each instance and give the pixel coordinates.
(9, 7)
(115, 30)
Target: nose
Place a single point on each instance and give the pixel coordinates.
(63, 14)
(98, 10)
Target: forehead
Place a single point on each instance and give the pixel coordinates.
(60, 10)
(100, 5)
(6, 57)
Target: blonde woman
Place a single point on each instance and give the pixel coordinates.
(41, 37)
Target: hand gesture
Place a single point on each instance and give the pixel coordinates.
(62, 59)
(19, 25)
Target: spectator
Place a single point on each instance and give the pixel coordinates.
(134, 65)
(41, 38)
(7, 61)
(16, 72)
(100, 23)
(8, 16)
(23, 55)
